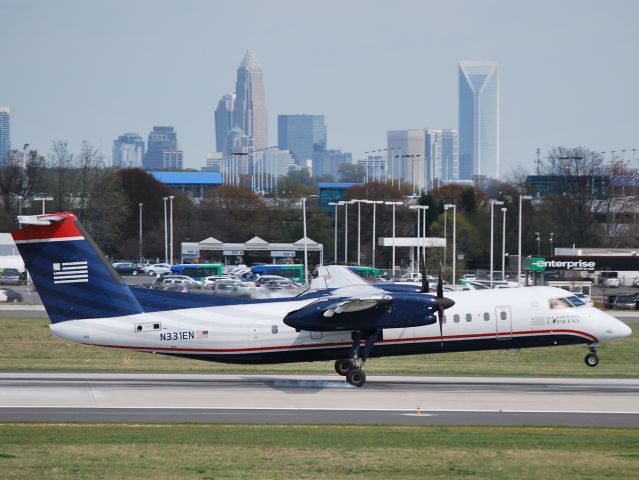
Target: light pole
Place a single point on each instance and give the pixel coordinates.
(375, 203)
(454, 207)
(538, 244)
(335, 221)
(521, 198)
(305, 244)
(166, 233)
(421, 234)
(492, 229)
(393, 204)
(171, 224)
(140, 252)
(346, 233)
(359, 229)
(43, 199)
(503, 244)
(551, 240)
(19, 197)
(416, 207)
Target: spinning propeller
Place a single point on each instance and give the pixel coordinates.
(442, 302)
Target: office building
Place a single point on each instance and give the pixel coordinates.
(326, 163)
(406, 153)
(5, 135)
(374, 167)
(478, 120)
(223, 121)
(441, 156)
(249, 110)
(128, 151)
(162, 150)
(301, 135)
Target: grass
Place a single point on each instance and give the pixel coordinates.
(26, 344)
(106, 451)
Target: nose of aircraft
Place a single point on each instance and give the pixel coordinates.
(615, 328)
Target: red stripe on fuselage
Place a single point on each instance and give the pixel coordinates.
(57, 230)
(347, 344)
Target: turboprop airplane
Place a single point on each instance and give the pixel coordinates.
(340, 317)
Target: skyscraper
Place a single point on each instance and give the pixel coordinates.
(249, 111)
(162, 150)
(441, 156)
(301, 135)
(128, 151)
(5, 135)
(406, 149)
(327, 162)
(478, 120)
(223, 121)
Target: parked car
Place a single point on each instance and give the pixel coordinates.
(611, 282)
(10, 276)
(626, 302)
(635, 282)
(210, 281)
(178, 280)
(234, 287)
(469, 276)
(157, 269)
(267, 278)
(282, 284)
(12, 295)
(127, 268)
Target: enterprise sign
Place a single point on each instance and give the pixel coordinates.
(564, 265)
(584, 264)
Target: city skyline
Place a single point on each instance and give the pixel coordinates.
(559, 86)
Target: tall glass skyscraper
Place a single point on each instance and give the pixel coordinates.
(5, 135)
(128, 151)
(301, 135)
(478, 120)
(441, 156)
(249, 111)
(406, 153)
(224, 122)
(162, 150)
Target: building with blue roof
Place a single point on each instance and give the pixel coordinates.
(193, 184)
(333, 192)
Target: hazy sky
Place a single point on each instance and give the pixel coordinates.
(91, 70)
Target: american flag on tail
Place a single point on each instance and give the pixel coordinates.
(71, 272)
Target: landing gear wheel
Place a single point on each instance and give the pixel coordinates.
(356, 377)
(343, 366)
(591, 360)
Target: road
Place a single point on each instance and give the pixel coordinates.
(202, 398)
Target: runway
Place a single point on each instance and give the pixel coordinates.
(310, 399)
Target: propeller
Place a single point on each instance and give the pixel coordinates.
(442, 304)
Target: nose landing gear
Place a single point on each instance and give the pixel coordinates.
(592, 360)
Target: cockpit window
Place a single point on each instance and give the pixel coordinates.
(576, 301)
(558, 303)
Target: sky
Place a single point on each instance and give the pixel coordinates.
(77, 70)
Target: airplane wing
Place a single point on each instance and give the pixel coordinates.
(356, 304)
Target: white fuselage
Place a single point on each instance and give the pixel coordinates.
(256, 333)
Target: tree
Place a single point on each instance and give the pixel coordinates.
(60, 163)
(349, 172)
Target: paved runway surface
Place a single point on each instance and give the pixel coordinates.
(165, 398)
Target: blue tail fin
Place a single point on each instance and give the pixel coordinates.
(73, 278)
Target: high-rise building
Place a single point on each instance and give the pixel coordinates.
(406, 153)
(162, 150)
(301, 135)
(442, 163)
(5, 135)
(128, 151)
(478, 120)
(327, 162)
(223, 121)
(249, 111)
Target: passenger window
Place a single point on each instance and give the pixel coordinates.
(559, 303)
(503, 315)
(456, 318)
(469, 317)
(486, 316)
(444, 319)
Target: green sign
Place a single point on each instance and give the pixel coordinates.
(535, 264)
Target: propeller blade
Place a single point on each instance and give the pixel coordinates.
(440, 284)
(442, 304)
(425, 286)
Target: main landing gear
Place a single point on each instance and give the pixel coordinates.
(592, 360)
(351, 368)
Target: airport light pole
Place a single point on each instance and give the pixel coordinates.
(503, 244)
(166, 233)
(305, 243)
(375, 203)
(454, 207)
(345, 232)
(420, 232)
(393, 204)
(492, 230)
(521, 198)
(359, 229)
(551, 240)
(19, 197)
(140, 252)
(537, 237)
(335, 204)
(171, 224)
(43, 199)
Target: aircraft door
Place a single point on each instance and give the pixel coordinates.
(504, 322)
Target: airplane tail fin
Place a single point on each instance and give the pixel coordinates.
(72, 276)
(336, 276)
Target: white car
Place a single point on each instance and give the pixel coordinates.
(210, 281)
(157, 269)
